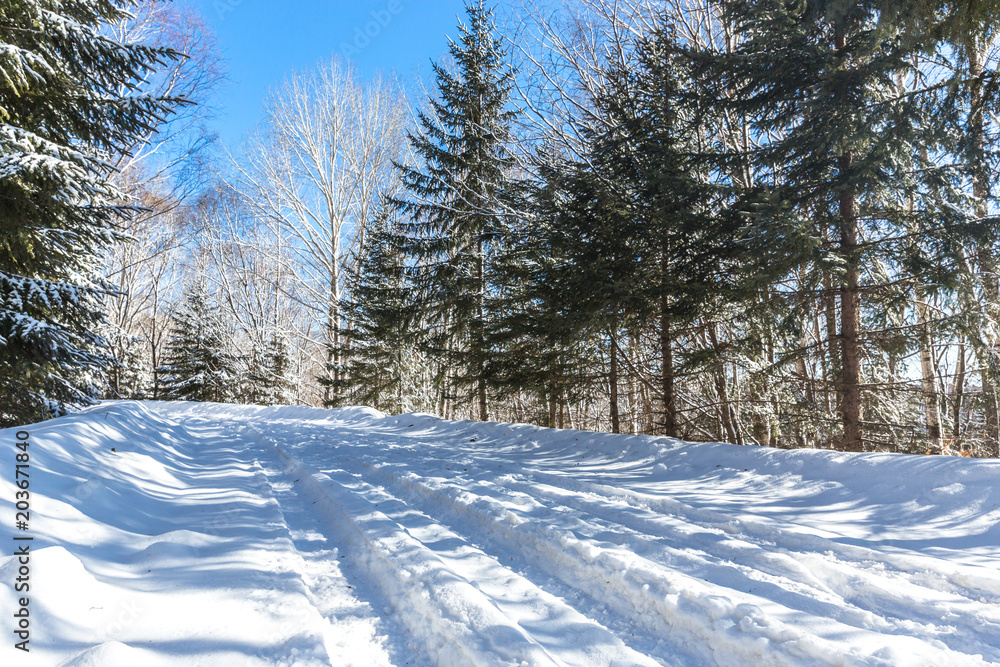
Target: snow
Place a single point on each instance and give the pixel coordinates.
(201, 534)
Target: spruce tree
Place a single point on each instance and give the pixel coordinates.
(267, 373)
(68, 107)
(198, 365)
(543, 319)
(277, 383)
(636, 244)
(383, 312)
(834, 161)
(452, 205)
(130, 377)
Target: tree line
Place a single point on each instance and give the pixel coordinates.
(750, 221)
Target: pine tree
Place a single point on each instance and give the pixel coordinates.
(198, 365)
(67, 107)
(453, 198)
(267, 378)
(277, 384)
(129, 377)
(819, 81)
(635, 238)
(383, 312)
(543, 320)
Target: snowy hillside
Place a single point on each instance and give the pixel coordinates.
(168, 534)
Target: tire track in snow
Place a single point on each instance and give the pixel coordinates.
(658, 597)
(823, 566)
(461, 621)
(869, 596)
(887, 579)
(352, 637)
(857, 586)
(974, 584)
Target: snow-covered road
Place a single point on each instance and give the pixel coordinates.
(231, 535)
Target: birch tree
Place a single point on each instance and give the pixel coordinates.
(161, 172)
(315, 171)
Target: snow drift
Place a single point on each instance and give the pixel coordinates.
(169, 533)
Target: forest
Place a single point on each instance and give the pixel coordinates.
(762, 222)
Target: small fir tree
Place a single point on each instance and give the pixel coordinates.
(269, 381)
(633, 238)
(198, 365)
(383, 311)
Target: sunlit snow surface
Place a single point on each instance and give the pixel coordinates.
(186, 534)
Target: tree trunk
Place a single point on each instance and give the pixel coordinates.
(484, 413)
(399, 380)
(736, 409)
(480, 342)
(987, 262)
(721, 388)
(666, 351)
(553, 405)
(442, 398)
(667, 373)
(833, 375)
(154, 338)
(850, 408)
(633, 407)
(928, 366)
(804, 434)
(761, 429)
(928, 374)
(958, 388)
(332, 391)
(613, 382)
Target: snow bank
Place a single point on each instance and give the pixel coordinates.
(170, 533)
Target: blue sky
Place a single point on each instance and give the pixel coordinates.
(263, 40)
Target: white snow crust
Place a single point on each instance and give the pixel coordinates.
(201, 534)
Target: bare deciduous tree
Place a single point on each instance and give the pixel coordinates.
(160, 174)
(315, 171)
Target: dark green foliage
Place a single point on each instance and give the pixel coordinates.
(453, 212)
(383, 364)
(67, 104)
(198, 365)
(627, 238)
(662, 222)
(541, 337)
(267, 379)
(840, 174)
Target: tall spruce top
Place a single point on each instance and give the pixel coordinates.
(461, 138)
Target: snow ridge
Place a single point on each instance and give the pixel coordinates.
(459, 624)
(241, 535)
